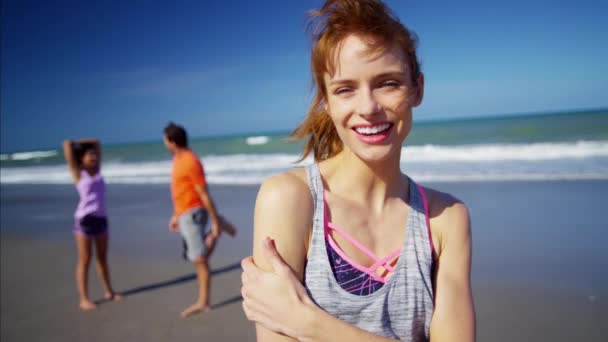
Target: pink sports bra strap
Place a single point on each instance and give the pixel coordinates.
(384, 262)
(354, 242)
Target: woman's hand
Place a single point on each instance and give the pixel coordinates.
(276, 300)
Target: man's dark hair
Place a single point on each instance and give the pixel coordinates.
(176, 134)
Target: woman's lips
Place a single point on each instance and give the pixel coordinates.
(374, 133)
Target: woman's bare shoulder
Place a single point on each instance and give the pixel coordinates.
(443, 203)
(448, 215)
(284, 200)
(283, 212)
(285, 189)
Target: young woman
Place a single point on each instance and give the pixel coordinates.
(91, 226)
(350, 248)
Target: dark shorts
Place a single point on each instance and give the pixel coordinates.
(91, 226)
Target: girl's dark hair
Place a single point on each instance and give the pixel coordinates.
(80, 150)
(176, 134)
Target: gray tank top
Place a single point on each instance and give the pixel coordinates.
(402, 308)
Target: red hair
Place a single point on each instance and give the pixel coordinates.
(328, 27)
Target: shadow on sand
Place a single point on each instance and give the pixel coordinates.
(181, 280)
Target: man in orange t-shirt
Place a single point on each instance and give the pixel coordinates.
(192, 206)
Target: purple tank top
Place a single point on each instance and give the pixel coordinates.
(92, 192)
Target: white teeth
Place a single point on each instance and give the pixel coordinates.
(372, 129)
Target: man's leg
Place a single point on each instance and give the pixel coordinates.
(202, 276)
(199, 249)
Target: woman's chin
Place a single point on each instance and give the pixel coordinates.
(377, 154)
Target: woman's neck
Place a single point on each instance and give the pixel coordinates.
(365, 182)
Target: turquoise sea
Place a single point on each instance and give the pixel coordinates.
(545, 146)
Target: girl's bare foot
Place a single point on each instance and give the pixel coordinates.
(194, 309)
(113, 296)
(87, 305)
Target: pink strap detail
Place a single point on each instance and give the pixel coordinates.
(353, 241)
(341, 253)
(369, 270)
(426, 216)
(386, 261)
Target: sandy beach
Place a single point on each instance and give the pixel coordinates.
(538, 269)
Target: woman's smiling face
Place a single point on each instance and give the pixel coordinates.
(370, 98)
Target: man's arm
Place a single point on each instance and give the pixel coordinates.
(203, 192)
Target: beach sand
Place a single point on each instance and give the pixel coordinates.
(539, 264)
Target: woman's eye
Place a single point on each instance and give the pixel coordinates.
(343, 90)
(391, 84)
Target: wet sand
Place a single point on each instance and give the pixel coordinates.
(538, 267)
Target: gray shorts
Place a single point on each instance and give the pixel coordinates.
(192, 226)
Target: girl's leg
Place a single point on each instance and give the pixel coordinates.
(83, 245)
(101, 245)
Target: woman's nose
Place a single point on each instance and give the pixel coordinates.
(367, 103)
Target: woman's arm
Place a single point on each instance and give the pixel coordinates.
(283, 212)
(273, 294)
(70, 159)
(454, 315)
(275, 298)
(279, 302)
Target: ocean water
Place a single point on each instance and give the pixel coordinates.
(550, 146)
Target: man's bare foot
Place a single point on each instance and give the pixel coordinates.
(113, 296)
(87, 305)
(227, 227)
(194, 309)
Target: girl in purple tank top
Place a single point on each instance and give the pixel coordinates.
(90, 221)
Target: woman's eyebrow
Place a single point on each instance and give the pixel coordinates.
(341, 81)
(390, 74)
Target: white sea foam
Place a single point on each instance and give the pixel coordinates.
(28, 155)
(428, 163)
(259, 140)
(506, 152)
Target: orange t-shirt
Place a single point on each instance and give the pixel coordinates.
(187, 172)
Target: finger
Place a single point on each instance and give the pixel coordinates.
(244, 294)
(247, 312)
(250, 270)
(271, 254)
(253, 311)
(247, 279)
(244, 280)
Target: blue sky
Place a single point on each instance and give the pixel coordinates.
(119, 70)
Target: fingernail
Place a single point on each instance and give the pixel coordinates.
(269, 241)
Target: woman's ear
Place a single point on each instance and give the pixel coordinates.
(419, 91)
